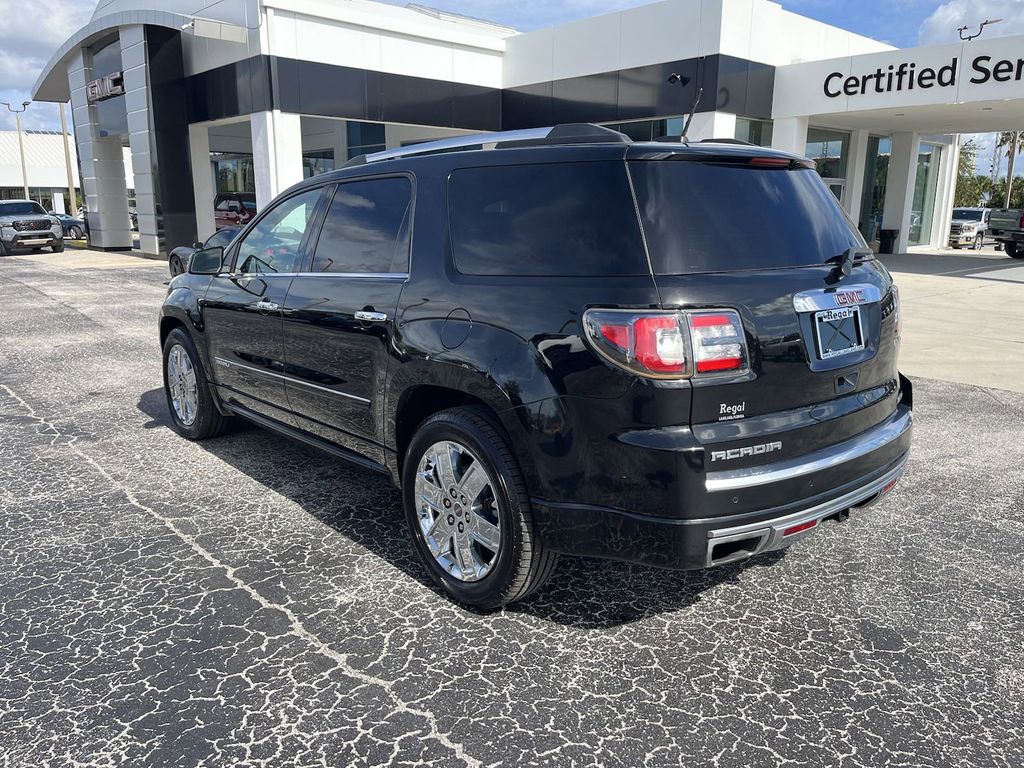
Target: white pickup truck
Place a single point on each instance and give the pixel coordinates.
(969, 227)
(1007, 226)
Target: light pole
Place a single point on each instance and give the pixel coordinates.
(21, 140)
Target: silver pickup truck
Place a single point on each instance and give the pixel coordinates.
(1007, 226)
(25, 226)
(969, 227)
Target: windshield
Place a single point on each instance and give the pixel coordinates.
(719, 217)
(965, 215)
(21, 209)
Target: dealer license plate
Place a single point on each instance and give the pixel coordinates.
(838, 332)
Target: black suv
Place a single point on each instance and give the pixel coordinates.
(560, 342)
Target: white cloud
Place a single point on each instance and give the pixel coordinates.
(29, 35)
(942, 25)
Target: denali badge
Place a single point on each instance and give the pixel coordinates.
(747, 450)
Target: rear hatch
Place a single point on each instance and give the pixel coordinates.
(759, 233)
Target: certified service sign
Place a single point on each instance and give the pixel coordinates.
(908, 76)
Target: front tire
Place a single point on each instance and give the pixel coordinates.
(58, 247)
(979, 242)
(469, 512)
(194, 414)
(176, 265)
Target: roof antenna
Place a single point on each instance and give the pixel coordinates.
(684, 81)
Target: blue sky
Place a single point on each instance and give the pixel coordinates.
(26, 44)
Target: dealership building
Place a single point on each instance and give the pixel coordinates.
(255, 95)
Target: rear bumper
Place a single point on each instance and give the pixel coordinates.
(855, 472)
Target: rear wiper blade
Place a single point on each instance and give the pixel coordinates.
(844, 262)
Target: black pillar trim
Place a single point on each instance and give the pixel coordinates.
(172, 163)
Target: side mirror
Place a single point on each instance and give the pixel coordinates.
(208, 261)
(197, 245)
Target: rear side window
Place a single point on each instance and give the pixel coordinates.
(710, 217)
(555, 219)
(365, 228)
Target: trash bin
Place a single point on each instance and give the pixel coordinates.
(887, 240)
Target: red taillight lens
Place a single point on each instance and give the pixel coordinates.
(1021, 222)
(718, 343)
(649, 343)
(659, 344)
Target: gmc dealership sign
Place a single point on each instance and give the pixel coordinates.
(105, 87)
(909, 76)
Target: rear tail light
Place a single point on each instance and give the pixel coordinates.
(669, 345)
(1021, 222)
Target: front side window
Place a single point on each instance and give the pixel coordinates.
(364, 230)
(273, 244)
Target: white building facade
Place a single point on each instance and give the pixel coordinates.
(253, 95)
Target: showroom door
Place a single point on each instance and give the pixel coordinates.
(242, 310)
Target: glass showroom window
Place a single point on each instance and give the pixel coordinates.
(757, 132)
(829, 150)
(876, 176)
(315, 162)
(648, 130)
(364, 138)
(926, 183)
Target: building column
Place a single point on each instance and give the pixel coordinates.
(101, 160)
(943, 215)
(855, 167)
(712, 125)
(899, 188)
(202, 180)
(789, 134)
(138, 106)
(276, 153)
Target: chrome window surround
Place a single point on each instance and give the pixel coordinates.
(840, 453)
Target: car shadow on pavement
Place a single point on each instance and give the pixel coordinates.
(976, 265)
(584, 593)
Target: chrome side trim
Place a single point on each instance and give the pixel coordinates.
(281, 377)
(855, 447)
(825, 298)
(770, 532)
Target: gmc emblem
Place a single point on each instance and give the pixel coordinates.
(105, 88)
(848, 298)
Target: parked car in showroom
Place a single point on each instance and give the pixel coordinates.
(564, 344)
(74, 229)
(234, 209)
(178, 261)
(969, 226)
(25, 226)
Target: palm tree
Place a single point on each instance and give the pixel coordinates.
(1014, 143)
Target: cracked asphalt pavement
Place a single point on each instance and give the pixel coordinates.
(249, 601)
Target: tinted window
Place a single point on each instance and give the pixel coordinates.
(21, 209)
(708, 217)
(364, 228)
(965, 215)
(273, 244)
(221, 238)
(570, 219)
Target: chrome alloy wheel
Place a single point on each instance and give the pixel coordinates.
(182, 386)
(458, 511)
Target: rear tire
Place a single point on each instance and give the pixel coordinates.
(473, 443)
(1013, 251)
(194, 413)
(75, 233)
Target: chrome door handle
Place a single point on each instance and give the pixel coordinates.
(371, 317)
(267, 305)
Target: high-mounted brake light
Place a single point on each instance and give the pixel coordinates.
(669, 345)
(770, 162)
